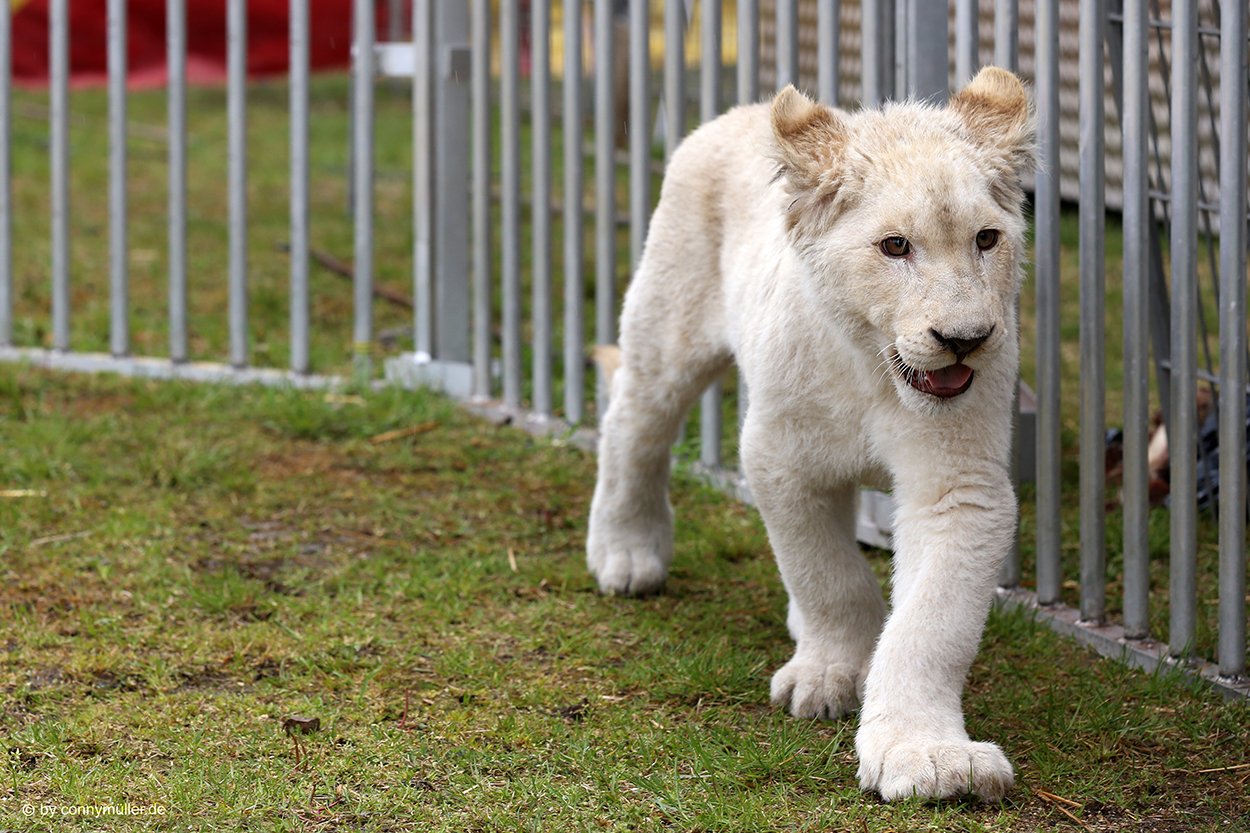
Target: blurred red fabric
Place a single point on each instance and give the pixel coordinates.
(268, 46)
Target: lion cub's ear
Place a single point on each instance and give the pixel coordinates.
(996, 111)
(810, 138)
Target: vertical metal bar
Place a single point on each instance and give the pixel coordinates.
(394, 16)
(236, 106)
(574, 217)
(711, 418)
(1183, 428)
(1093, 312)
(787, 42)
(6, 179)
(605, 187)
(710, 86)
(928, 50)
(450, 65)
(176, 57)
(58, 60)
(540, 80)
(829, 51)
(300, 296)
(1046, 272)
(639, 127)
(748, 51)
(510, 196)
(1006, 54)
(1233, 369)
(1007, 34)
(877, 35)
(423, 162)
(748, 93)
(1135, 124)
(967, 40)
(483, 311)
(674, 76)
(119, 323)
(362, 168)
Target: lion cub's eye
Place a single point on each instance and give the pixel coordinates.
(987, 239)
(895, 247)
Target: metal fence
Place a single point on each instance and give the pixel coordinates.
(518, 107)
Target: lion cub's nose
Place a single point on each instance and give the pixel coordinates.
(961, 347)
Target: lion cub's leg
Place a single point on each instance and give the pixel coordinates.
(912, 741)
(836, 606)
(629, 545)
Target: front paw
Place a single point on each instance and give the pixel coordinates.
(816, 689)
(899, 767)
(629, 570)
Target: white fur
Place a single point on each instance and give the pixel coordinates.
(766, 249)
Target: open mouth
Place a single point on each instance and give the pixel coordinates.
(943, 383)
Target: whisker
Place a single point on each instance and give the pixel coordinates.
(889, 359)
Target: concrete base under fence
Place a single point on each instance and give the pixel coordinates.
(1109, 640)
(153, 368)
(419, 369)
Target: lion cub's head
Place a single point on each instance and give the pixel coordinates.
(910, 223)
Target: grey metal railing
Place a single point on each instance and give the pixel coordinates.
(491, 290)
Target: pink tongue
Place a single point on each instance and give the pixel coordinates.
(948, 378)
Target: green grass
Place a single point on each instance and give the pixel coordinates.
(186, 567)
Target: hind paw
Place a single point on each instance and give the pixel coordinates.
(816, 689)
(630, 571)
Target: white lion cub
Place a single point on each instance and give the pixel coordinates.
(862, 269)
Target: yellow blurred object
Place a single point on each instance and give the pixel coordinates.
(729, 36)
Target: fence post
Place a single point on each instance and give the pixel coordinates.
(574, 218)
(1232, 634)
(1093, 313)
(1183, 426)
(176, 58)
(510, 200)
(877, 47)
(236, 118)
(119, 329)
(6, 189)
(58, 83)
(441, 203)
(300, 302)
(364, 70)
(1046, 223)
(1134, 123)
(483, 307)
(605, 189)
(926, 53)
